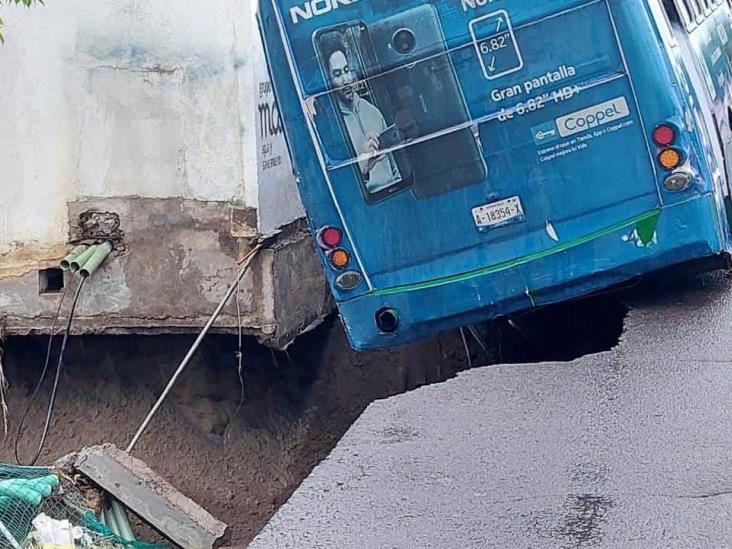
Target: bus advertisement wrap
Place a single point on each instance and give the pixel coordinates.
(449, 138)
(401, 125)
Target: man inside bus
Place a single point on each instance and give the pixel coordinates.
(363, 120)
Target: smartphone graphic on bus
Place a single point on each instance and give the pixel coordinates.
(346, 58)
(419, 87)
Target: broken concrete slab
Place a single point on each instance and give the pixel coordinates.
(147, 494)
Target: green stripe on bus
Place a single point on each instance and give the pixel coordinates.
(646, 219)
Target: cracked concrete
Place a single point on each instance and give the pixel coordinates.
(627, 448)
(175, 262)
(705, 496)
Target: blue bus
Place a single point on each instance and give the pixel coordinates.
(465, 160)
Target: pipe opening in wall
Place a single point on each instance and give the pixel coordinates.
(50, 281)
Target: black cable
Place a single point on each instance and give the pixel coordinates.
(239, 355)
(51, 335)
(59, 368)
(479, 339)
(467, 349)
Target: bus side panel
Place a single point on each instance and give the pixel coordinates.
(700, 59)
(320, 208)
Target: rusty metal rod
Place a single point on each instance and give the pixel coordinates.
(246, 263)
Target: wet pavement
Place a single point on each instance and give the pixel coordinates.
(631, 448)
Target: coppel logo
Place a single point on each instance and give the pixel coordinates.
(593, 117)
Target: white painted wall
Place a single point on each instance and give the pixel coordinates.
(111, 98)
(279, 202)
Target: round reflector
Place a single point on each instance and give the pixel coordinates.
(349, 280)
(670, 159)
(678, 181)
(339, 258)
(664, 135)
(330, 237)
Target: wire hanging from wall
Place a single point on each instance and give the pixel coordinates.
(57, 377)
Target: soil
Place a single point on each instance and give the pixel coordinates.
(240, 463)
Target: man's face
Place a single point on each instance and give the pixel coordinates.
(341, 77)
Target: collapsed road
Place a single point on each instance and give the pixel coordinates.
(625, 448)
(236, 446)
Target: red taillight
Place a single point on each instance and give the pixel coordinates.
(664, 135)
(330, 237)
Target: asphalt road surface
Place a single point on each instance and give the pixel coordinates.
(631, 448)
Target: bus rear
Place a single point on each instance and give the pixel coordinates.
(463, 160)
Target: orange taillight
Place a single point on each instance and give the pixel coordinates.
(339, 258)
(670, 158)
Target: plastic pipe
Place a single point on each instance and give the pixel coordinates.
(123, 524)
(79, 261)
(101, 252)
(76, 252)
(111, 521)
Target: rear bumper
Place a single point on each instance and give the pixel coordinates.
(669, 236)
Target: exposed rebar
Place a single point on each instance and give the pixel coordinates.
(192, 351)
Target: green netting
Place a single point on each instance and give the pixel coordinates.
(28, 493)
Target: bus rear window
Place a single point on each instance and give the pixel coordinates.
(400, 103)
(394, 109)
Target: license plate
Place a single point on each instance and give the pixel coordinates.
(499, 213)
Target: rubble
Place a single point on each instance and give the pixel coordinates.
(139, 488)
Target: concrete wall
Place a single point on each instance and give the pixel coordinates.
(120, 98)
(132, 107)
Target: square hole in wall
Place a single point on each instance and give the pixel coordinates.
(50, 281)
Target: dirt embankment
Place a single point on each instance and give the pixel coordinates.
(240, 464)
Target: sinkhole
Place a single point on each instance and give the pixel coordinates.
(561, 333)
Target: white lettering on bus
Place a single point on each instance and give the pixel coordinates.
(592, 117)
(473, 4)
(563, 72)
(499, 95)
(536, 84)
(313, 8)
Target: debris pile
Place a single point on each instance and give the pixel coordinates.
(81, 502)
(43, 507)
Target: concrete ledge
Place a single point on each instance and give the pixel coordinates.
(174, 260)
